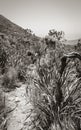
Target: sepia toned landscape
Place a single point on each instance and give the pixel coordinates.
(40, 79)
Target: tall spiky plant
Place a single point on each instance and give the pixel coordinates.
(58, 102)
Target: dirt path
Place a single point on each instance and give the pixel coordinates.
(18, 108)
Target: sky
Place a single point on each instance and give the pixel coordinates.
(42, 15)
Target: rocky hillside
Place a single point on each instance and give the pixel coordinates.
(8, 27)
(16, 42)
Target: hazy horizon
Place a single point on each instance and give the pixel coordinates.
(42, 15)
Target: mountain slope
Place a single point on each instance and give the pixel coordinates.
(8, 27)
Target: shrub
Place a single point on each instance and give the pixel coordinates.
(59, 35)
(3, 60)
(21, 75)
(9, 78)
(50, 41)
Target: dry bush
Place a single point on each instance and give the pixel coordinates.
(21, 75)
(9, 78)
(3, 60)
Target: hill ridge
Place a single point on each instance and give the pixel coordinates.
(8, 27)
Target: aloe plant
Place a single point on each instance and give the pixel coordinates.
(58, 103)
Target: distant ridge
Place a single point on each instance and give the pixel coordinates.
(8, 27)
